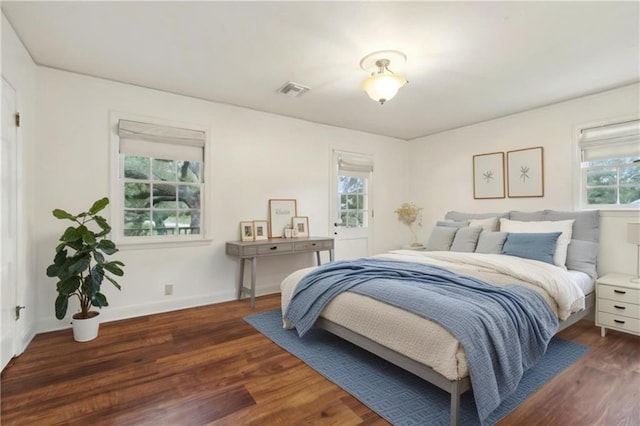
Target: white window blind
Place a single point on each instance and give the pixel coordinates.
(350, 163)
(169, 143)
(619, 140)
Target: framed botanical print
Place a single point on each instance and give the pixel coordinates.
(280, 214)
(525, 172)
(488, 175)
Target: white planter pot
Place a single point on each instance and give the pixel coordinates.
(85, 330)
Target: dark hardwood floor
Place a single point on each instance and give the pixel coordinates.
(206, 365)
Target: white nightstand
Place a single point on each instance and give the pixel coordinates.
(618, 303)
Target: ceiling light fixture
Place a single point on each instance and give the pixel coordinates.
(382, 84)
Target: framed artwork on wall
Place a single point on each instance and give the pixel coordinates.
(488, 175)
(260, 230)
(280, 214)
(246, 231)
(525, 172)
(301, 225)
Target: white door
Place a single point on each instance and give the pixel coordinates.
(8, 224)
(351, 214)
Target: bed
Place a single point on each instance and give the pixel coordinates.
(427, 349)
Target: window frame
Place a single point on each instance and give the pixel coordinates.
(116, 191)
(580, 173)
(364, 210)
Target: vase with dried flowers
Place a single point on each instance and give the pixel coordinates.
(411, 215)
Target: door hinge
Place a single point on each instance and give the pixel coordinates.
(18, 309)
(17, 119)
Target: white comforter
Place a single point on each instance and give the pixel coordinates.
(423, 340)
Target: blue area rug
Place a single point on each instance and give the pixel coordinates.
(395, 394)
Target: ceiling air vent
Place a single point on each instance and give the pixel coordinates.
(293, 90)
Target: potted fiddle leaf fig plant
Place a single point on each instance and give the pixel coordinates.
(80, 265)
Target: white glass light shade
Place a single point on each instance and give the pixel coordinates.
(382, 87)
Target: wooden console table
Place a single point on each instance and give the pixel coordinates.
(272, 247)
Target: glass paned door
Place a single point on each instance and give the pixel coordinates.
(352, 216)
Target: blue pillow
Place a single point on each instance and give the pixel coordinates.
(540, 247)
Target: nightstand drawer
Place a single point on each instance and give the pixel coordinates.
(619, 321)
(621, 294)
(619, 308)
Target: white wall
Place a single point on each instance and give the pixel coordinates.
(20, 72)
(441, 166)
(254, 157)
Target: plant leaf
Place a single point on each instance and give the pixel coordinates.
(113, 282)
(68, 286)
(60, 257)
(89, 237)
(97, 273)
(52, 270)
(61, 214)
(114, 268)
(88, 288)
(102, 223)
(70, 235)
(107, 247)
(62, 302)
(98, 205)
(99, 300)
(81, 264)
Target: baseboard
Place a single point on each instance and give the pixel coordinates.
(115, 313)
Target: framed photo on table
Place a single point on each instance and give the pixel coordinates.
(488, 176)
(525, 172)
(260, 231)
(301, 225)
(280, 214)
(246, 231)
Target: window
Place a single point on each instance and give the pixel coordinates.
(610, 165)
(160, 187)
(353, 191)
(352, 206)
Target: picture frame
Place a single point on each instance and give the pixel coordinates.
(246, 231)
(301, 224)
(525, 172)
(488, 176)
(280, 214)
(260, 230)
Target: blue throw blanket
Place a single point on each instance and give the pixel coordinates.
(503, 331)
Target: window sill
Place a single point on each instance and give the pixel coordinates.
(124, 245)
(612, 208)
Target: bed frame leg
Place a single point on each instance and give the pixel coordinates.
(455, 403)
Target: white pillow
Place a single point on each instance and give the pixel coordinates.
(489, 224)
(564, 226)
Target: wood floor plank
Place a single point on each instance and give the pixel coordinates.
(206, 365)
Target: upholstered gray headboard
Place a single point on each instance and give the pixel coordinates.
(582, 254)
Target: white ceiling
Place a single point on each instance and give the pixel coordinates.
(467, 61)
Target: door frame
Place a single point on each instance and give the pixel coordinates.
(15, 225)
(334, 153)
